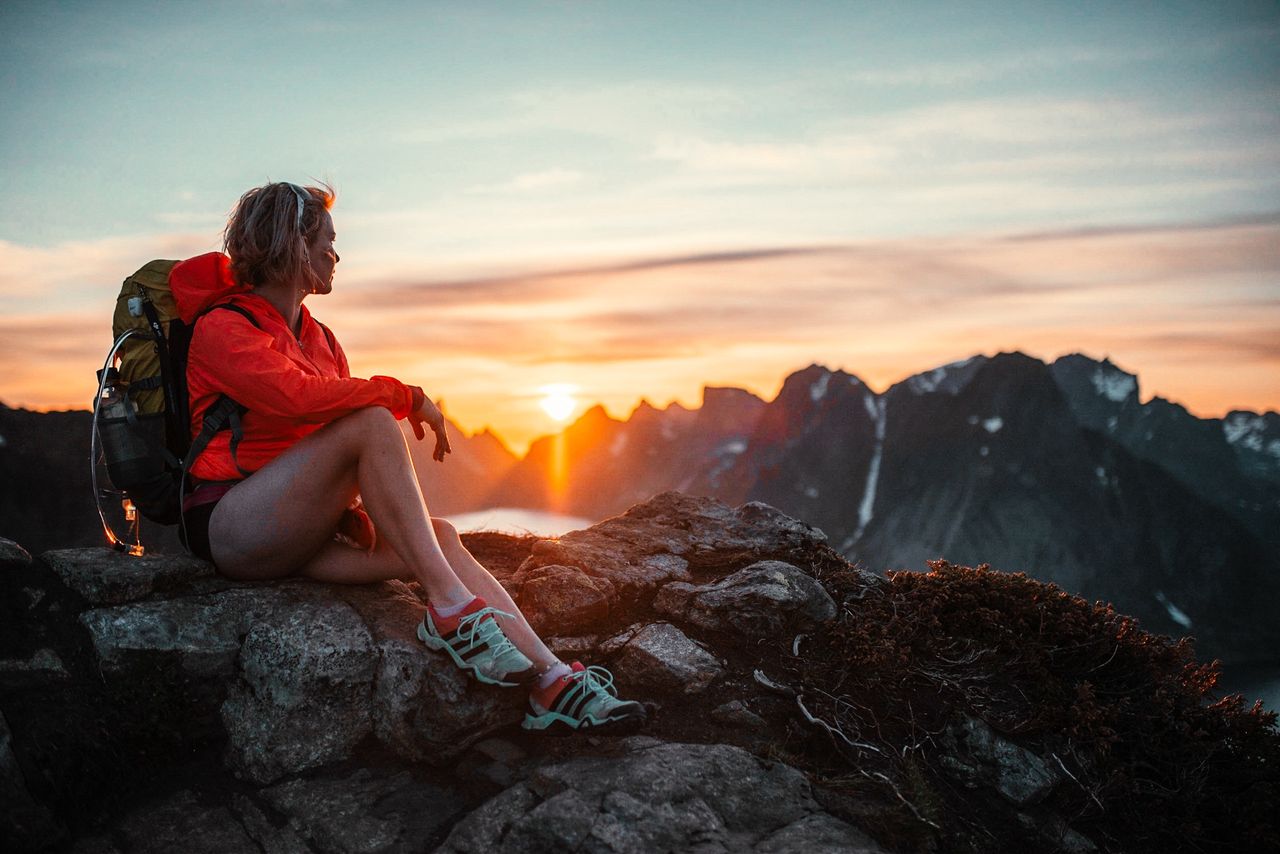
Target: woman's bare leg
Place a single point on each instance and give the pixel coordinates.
(482, 582)
(278, 521)
(341, 564)
(337, 563)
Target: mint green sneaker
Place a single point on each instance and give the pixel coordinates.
(583, 699)
(477, 645)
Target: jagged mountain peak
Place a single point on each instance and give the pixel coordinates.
(950, 378)
(815, 382)
(1255, 438)
(1252, 430)
(733, 409)
(492, 439)
(1113, 385)
(595, 415)
(645, 409)
(715, 395)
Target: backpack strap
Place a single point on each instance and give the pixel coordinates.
(167, 374)
(167, 379)
(225, 412)
(238, 309)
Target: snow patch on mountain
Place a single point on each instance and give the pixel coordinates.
(1114, 384)
(1239, 425)
(818, 390)
(877, 409)
(1247, 430)
(948, 378)
(1175, 613)
(925, 383)
(991, 425)
(726, 455)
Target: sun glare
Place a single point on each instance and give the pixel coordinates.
(558, 400)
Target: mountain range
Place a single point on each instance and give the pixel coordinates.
(1057, 470)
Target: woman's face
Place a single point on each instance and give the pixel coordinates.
(322, 256)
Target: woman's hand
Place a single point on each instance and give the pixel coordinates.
(426, 412)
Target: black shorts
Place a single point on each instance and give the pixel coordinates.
(194, 530)
(196, 513)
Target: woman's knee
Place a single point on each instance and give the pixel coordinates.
(372, 418)
(446, 533)
(370, 424)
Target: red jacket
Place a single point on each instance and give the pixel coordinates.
(291, 386)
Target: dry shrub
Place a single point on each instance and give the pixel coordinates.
(1158, 765)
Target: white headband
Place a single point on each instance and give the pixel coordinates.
(302, 195)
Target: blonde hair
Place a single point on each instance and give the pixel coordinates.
(270, 228)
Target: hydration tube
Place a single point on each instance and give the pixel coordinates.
(135, 548)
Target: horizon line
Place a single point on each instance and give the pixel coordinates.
(1106, 359)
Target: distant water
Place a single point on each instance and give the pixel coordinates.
(1257, 680)
(517, 520)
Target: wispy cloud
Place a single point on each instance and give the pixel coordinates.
(958, 74)
(35, 280)
(1193, 305)
(546, 179)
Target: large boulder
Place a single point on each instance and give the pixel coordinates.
(426, 710)
(667, 539)
(303, 699)
(563, 598)
(12, 553)
(366, 810)
(199, 636)
(764, 599)
(294, 674)
(423, 707)
(661, 658)
(657, 797)
(182, 822)
(106, 577)
(977, 756)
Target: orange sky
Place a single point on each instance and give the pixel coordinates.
(677, 194)
(1194, 311)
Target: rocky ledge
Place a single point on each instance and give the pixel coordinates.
(151, 705)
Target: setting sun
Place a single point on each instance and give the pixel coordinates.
(558, 401)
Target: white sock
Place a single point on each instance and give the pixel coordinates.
(553, 673)
(455, 608)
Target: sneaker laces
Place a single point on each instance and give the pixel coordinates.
(596, 679)
(484, 624)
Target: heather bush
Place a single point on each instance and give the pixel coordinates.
(1152, 761)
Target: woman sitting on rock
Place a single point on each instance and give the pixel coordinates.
(285, 496)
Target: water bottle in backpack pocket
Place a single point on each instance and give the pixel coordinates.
(134, 450)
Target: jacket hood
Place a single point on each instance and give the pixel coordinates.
(199, 282)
